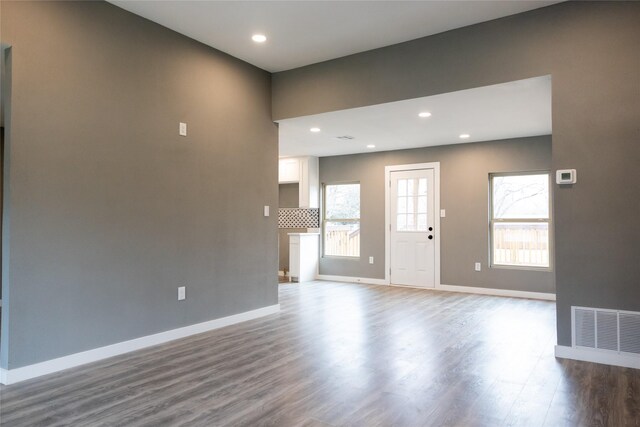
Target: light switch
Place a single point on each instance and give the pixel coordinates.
(182, 293)
(478, 266)
(183, 129)
(266, 211)
(442, 213)
(370, 260)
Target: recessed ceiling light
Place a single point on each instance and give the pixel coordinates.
(425, 114)
(371, 146)
(315, 129)
(259, 38)
(464, 136)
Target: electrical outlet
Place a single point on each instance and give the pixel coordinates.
(478, 266)
(370, 260)
(183, 129)
(182, 293)
(266, 211)
(443, 213)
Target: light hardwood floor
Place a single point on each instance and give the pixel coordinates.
(346, 354)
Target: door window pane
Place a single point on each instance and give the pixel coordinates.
(422, 222)
(411, 222)
(402, 187)
(402, 205)
(401, 225)
(422, 187)
(422, 204)
(411, 204)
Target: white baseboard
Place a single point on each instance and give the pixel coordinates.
(349, 279)
(12, 376)
(598, 356)
(497, 292)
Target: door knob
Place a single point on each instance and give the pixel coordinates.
(430, 228)
(430, 237)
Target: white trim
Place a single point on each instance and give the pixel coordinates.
(12, 376)
(387, 215)
(496, 292)
(348, 279)
(598, 356)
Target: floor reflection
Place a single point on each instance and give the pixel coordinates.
(460, 359)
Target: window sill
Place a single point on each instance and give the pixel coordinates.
(520, 267)
(348, 258)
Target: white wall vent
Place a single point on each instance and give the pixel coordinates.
(630, 332)
(608, 330)
(584, 328)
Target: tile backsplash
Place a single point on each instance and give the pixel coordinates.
(298, 218)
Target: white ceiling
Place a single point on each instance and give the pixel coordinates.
(509, 110)
(305, 32)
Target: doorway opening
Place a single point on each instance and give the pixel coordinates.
(288, 198)
(473, 135)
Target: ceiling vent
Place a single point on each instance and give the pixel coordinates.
(606, 330)
(345, 137)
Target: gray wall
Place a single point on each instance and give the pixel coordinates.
(110, 210)
(289, 197)
(591, 51)
(464, 193)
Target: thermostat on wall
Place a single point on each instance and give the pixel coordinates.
(566, 176)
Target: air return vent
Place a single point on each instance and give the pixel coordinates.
(630, 332)
(584, 327)
(345, 137)
(609, 330)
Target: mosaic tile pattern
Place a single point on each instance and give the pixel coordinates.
(298, 218)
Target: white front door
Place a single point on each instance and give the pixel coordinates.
(412, 234)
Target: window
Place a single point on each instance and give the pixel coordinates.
(341, 220)
(520, 220)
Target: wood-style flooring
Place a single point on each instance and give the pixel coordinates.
(345, 355)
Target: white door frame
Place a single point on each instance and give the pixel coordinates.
(387, 215)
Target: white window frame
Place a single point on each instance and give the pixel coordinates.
(493, 220)
(348, 220)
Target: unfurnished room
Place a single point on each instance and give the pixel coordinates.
(320, 213)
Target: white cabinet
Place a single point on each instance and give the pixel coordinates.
(304, 171)
(309, 189)
(303, 256)
(288, 170)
